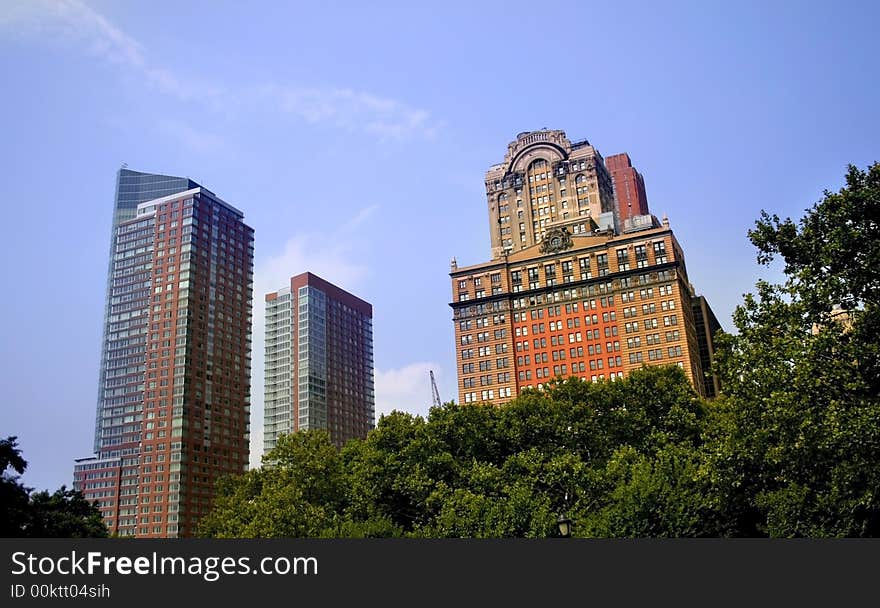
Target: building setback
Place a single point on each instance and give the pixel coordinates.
(570, 291)
(174, 403)
(319, 361)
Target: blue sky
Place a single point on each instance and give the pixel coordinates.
(355, 137)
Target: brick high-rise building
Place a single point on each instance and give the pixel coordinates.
(319, 361)
(174, 403)
(568, 291)
(629, 187)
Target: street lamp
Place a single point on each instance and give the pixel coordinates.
(564, 524)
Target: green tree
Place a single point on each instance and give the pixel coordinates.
(832, 255)
(481, 471)
(62, 514)
(13, 494)
(297, 493)
(797, 451)
(657, 495)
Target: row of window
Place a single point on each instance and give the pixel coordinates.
(650, 339)
(488, 395)
(468, 353)
(484, 366)
(483, 336)
(468, 324)
(655, 354)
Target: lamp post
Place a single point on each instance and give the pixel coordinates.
(564, 524)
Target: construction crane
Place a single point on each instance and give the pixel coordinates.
(435, 393)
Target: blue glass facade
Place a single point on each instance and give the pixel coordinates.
(132, 189)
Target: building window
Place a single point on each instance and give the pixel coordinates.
(602, 264)
(660, 253)
(641, 256)
(584, 264)
(622, 259)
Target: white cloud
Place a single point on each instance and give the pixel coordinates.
(407, 389)
(77, 23)
(333, 259)
(352, 110)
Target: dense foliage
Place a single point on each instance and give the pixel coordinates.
(481, 471)
(799, 453)
(23, 513)
(792, 448)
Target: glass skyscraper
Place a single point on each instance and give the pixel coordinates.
(174, 396)
(132, 189)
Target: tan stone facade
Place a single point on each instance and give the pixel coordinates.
(545, 180)
(569, 298)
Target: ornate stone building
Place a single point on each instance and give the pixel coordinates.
(545, 180)
(569, 291)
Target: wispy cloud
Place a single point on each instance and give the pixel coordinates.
(76, 22)
(352, 110)
(79, 25)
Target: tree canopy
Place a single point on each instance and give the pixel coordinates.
(799, 454)
(477, 470)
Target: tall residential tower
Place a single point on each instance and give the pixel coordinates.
(319, 361)
(173, 408)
